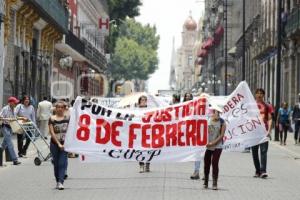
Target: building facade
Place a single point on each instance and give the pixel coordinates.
(212, 51)
(184, 60)
(84, 44)
(31, 28)
(261, 49)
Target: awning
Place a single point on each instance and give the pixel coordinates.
(208, 44)
(200, 61)
(202, 53)
(219, 31)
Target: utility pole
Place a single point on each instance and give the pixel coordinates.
(244, 43)
(278, 70)
(225, 45)
(2, 50)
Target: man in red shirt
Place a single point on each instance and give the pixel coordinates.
(266, 111)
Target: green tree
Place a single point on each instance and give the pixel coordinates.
(120, 9)
(135, 53)
(132, 61)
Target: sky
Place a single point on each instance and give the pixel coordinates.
(168, 16)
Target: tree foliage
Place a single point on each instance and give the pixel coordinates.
(120, 9)
(135, 53)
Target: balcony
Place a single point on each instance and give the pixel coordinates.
(54, 12)
(75, 43)
(293, 23)
(97, 58)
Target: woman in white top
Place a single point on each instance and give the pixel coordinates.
(25, 109)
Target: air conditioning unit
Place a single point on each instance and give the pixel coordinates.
(66, 62)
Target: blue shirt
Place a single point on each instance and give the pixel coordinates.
(284, 115)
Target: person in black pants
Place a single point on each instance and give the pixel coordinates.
(296, 120)
(265, 112)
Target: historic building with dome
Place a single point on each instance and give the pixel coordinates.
(182, 64)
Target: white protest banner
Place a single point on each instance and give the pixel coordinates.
(107, 102)
(176, 133)
(244, 126)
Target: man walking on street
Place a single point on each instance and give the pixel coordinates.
(6, 115)
(43, 115)
(296, 120)
(265, 113)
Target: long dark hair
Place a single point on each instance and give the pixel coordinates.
(185, 97)
(24, 98)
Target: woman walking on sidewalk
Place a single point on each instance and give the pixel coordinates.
(283, 122)
(25, 109)
(58, 125)
(216, 130)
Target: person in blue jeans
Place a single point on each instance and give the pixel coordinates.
(58, 125)
(266, 114)
(8, 114)
(283, 122)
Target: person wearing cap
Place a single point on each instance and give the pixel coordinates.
(296, 120)
(216, 130)
(7, 114)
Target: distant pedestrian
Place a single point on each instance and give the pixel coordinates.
(187, 97)
(58, 125)
(43, 115)
(142, 103)
(283, 122)
(265, 113)
(216, 130)
(7, 114)
(175, 99)
(296, 120)
(25, 109)
(195, 176)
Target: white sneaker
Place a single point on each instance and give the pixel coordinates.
(57, 185)
(60, 186)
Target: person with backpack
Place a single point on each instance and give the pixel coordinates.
(216, 130)
(265, 113)
(283, 122)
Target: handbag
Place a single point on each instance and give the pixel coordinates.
(15, 126)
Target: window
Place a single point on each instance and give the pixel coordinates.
(190, 60)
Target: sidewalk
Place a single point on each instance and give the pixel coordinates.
(291, 148)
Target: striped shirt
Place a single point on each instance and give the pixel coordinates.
(7, 112)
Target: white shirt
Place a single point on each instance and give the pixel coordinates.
(44, 110)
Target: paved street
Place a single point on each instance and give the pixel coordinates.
(166, 181)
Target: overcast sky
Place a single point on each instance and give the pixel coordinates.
(168, 16)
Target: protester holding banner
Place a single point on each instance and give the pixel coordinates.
(216, 130)
(195, 175)
(283, 122)
(265, 113)
(175, 99)
(142, 103)
(58, 125)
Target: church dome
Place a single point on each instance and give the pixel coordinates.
(190, 24)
